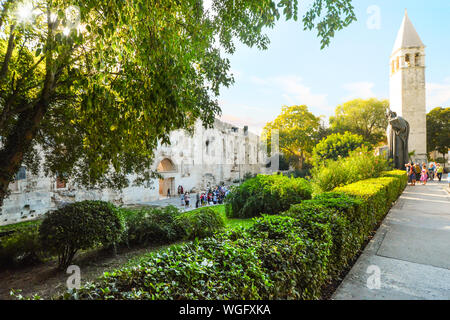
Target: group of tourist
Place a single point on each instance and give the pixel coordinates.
(423, 173)
(211, 197)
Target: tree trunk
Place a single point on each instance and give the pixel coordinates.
(19, 142)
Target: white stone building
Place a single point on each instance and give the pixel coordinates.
(207, 158)
(407, 86)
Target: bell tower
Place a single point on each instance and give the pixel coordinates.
(407, 86)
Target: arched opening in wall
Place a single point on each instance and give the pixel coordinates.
(392, 67)
(166, 165)
(397, 64)
(166, 182)
(407, 60)
(417, 59)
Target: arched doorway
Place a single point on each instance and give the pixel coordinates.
(166, 168)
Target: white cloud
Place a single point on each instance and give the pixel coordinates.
(438, 94)
(294, 91)
(362, 89)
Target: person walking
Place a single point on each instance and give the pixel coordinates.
(182, 199)
(424, 174)
(197, 202)
(439, 171)
(417, 171)
(412, 174)
(431, 169)
(168, 193)
(187, 199)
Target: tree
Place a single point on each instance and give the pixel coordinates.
(364, 117)
(298, 129)
(97, 84)
(337, 146)
(438, 130)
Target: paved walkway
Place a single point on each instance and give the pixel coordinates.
(411, 249)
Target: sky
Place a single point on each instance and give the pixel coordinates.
(295, 71)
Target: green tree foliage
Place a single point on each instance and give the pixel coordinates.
(298, 131)
(438, 130)
(364, 117)
(98, 83)
(336, 146)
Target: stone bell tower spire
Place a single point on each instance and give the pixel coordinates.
(407, 86)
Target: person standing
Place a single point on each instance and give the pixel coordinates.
(197, 202)
(168, 193)
(439, 171)
(424, 174)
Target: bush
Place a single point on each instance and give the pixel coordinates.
(295, 257)
(81, 225)
(280, 257)
(359, 165)
(200, 223)
(336, 146)
(211, 269)
(235, 265)
(377, 196)
(269, 194)
(300, 173)
(311, 214)
(151, 226)
(21, 246)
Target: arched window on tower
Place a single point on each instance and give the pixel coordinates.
(397, 64)
(417, 59)
(407, 60)
(392, 66)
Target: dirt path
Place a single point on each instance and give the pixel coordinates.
(45, 280)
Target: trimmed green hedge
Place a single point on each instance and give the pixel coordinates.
(377, 195)
(311, 214)
(200, 223)
(266, 194)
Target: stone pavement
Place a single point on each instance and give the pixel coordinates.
(411, 250)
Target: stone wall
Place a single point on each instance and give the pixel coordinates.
(208, 157)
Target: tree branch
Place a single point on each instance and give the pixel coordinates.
(4, 69)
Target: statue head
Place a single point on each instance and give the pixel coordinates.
(391, 114)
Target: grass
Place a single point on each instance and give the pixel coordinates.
(230, 223)
(14, 226)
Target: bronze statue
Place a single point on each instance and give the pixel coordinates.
(397, 134)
